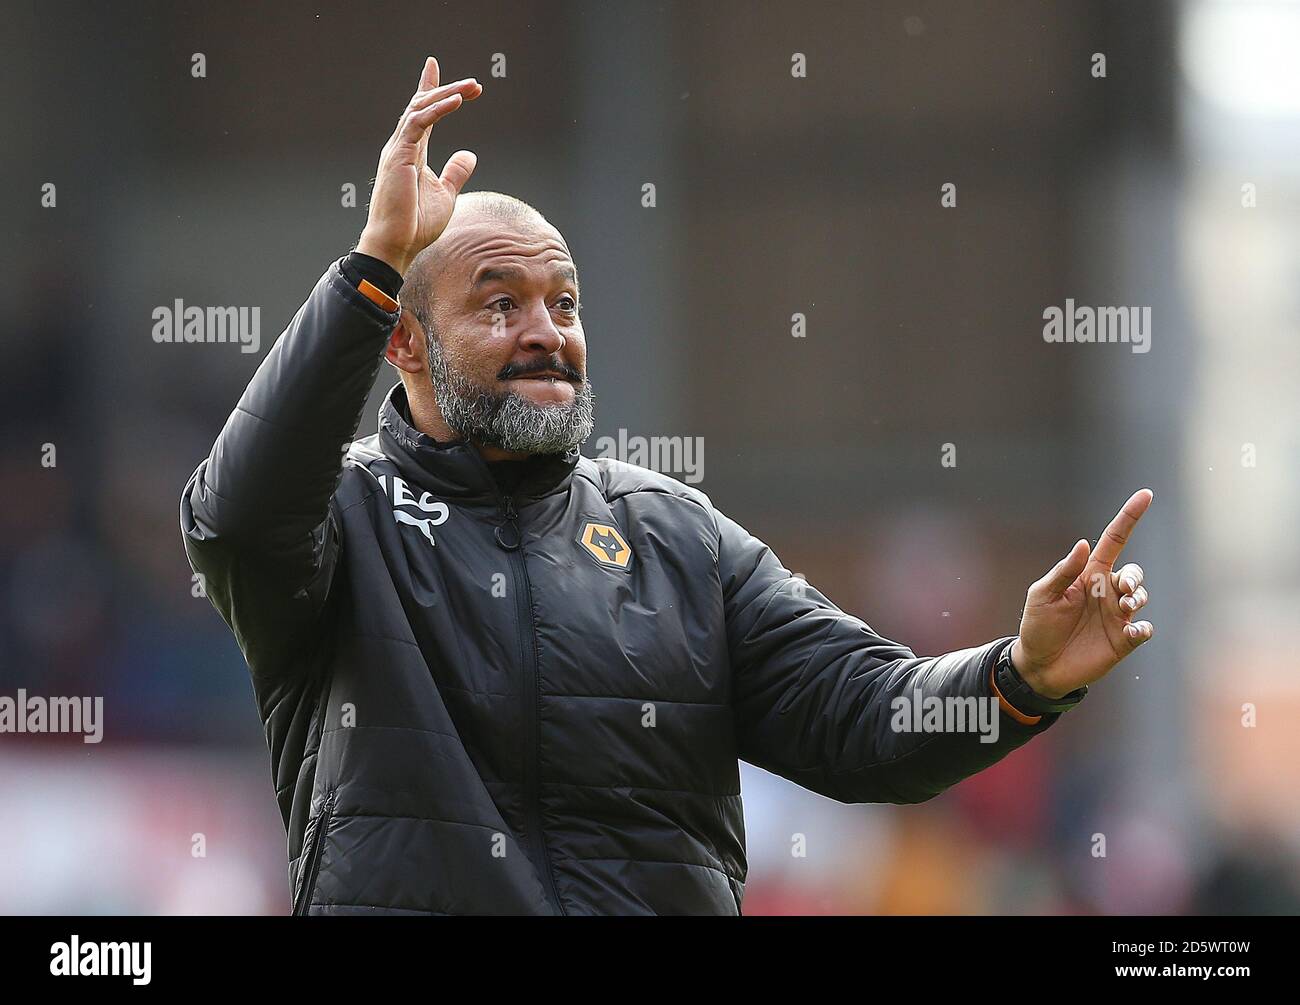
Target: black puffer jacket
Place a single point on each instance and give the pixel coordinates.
(530, 704)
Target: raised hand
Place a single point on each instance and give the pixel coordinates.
(1077, 622)
(410, 205)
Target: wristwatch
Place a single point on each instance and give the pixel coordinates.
(1025, 699)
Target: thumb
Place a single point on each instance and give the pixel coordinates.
(457, 170)
(1067, 570)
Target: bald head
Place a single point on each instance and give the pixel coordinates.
(473, 209)
(496, 206)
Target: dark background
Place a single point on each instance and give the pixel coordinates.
(775, 195)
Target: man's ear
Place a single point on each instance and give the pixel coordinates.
(406, 349)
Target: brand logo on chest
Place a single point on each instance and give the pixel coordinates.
(399, 494)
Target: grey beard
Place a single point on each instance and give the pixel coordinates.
(507, 421)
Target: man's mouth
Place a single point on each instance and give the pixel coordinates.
(550, 376)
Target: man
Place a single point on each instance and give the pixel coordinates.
(498, 677)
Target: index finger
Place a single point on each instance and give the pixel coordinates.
(1115, 536)
(429, 77)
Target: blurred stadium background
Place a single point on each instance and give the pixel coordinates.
(775, 195)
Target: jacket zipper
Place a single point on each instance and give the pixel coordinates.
(510, 542)
(312, 865)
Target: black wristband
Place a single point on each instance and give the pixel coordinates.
(357, 266)
(1020, 696)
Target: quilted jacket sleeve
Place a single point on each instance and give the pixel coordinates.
(821, 699)
(256, 514)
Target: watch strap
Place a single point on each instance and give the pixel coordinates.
(1017, 693)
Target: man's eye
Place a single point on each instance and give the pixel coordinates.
(499, 301)
(567, 303)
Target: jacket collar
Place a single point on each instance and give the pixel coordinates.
(456, 469)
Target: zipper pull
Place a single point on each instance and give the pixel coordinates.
(508, 534)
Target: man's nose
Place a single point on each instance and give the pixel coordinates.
(540, 333)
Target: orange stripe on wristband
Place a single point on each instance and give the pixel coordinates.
(377, 296)
(1011, 710)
